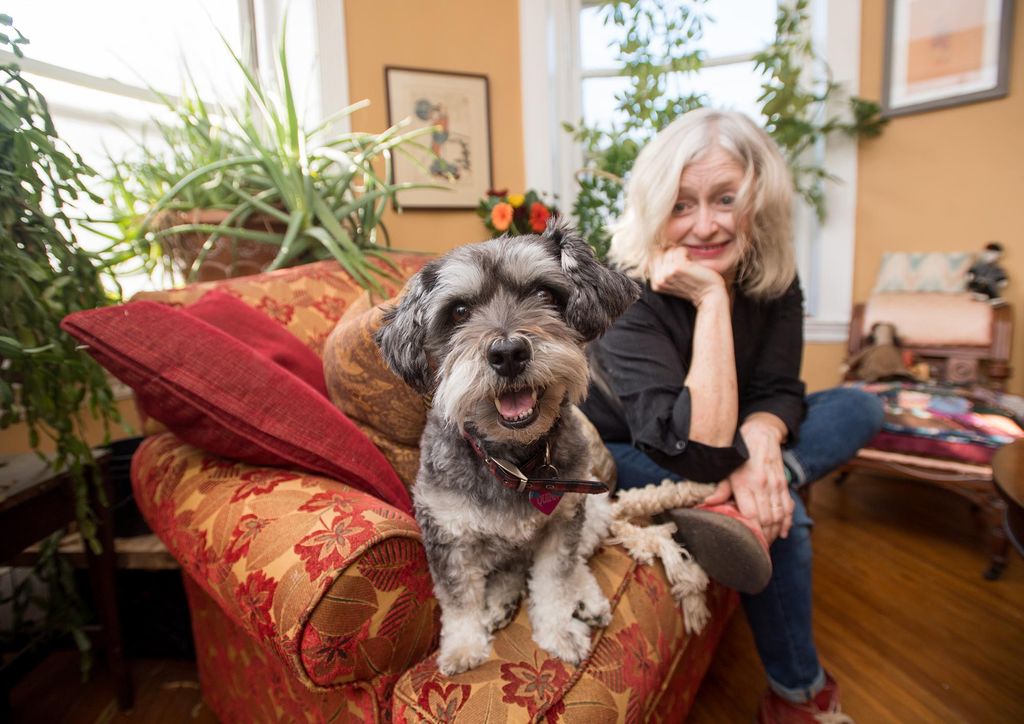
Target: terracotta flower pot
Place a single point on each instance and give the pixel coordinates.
(230, 256)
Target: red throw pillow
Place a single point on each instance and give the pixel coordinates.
(215, 391)
(262, 334)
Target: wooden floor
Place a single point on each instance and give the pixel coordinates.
(904, 621)
(903, 618)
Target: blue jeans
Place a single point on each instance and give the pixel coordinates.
(839, 422)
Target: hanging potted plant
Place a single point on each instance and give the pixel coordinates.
(250, 187)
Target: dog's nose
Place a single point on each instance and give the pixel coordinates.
(508, 357)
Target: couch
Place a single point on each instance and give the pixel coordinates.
(309, 594)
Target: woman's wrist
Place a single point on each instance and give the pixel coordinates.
(713, 294)
(765, 423)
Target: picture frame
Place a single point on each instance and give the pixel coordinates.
(460, 104)
(945, 53)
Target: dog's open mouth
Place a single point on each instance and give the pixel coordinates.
(518, 408)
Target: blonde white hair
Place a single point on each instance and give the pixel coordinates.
(763, 207)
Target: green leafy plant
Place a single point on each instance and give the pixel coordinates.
(659, 39)
(795, 110)
(315, 194)
(46, 381)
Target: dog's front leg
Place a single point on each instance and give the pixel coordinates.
(460, 585)
(553, 600)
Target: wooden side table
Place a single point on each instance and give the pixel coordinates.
(1008, 470)
(34, 502)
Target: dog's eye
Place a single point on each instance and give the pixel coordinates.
(544, 296)
(460, 313)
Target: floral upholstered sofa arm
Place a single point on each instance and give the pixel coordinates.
(330, 579)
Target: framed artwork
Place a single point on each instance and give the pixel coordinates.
(942, 53)
(459, 104)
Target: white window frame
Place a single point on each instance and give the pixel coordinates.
(323, 28)
(551, 79)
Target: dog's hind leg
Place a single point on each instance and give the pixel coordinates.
(505, 588)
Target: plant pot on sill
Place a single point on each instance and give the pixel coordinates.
(230, 256)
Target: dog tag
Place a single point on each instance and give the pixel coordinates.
(545, 502)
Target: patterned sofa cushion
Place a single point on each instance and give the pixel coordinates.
(331, 580)
(388, 411)
(627, 676)
(307, 300)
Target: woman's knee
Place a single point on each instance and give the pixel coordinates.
(861, 413)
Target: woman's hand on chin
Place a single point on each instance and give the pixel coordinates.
(673, 273)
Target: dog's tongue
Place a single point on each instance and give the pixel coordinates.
(514, 404)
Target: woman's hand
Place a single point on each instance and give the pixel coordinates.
(759, 485)
(673, 273)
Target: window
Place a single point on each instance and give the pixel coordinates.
(98, 64)
(566, 81)
(95, 66)
(734, 32)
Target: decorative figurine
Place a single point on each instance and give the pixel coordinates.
(986, 278)
(883, 358)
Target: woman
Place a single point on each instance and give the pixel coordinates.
(700, 378)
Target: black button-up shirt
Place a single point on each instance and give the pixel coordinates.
(644, 359)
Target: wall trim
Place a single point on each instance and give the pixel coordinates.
(821, 331)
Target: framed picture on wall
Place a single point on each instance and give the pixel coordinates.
(942, 53)
(459, 158)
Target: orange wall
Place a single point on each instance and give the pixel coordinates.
(945, 180)
(821, 365)
(457, 35)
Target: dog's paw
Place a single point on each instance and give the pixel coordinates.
(458, 656)
(570, 643)
(596, 612)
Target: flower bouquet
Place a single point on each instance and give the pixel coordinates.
(515, 213)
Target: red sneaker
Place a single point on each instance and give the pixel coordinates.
(729, 547)
(822, 709)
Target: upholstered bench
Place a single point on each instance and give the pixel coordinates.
(944, 432)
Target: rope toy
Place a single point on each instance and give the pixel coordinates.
(647, 542)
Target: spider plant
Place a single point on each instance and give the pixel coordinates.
(323, 194)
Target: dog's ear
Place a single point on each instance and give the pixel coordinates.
(403, 332)
(599, 294)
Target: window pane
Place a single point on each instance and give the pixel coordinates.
(598, 42)
(739, 26)
(731, 27)
(137, 42)
(599, 101)
(735, 87)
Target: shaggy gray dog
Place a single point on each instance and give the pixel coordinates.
(495, 333)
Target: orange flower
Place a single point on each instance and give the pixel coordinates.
(539, 216)
(501, 216)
